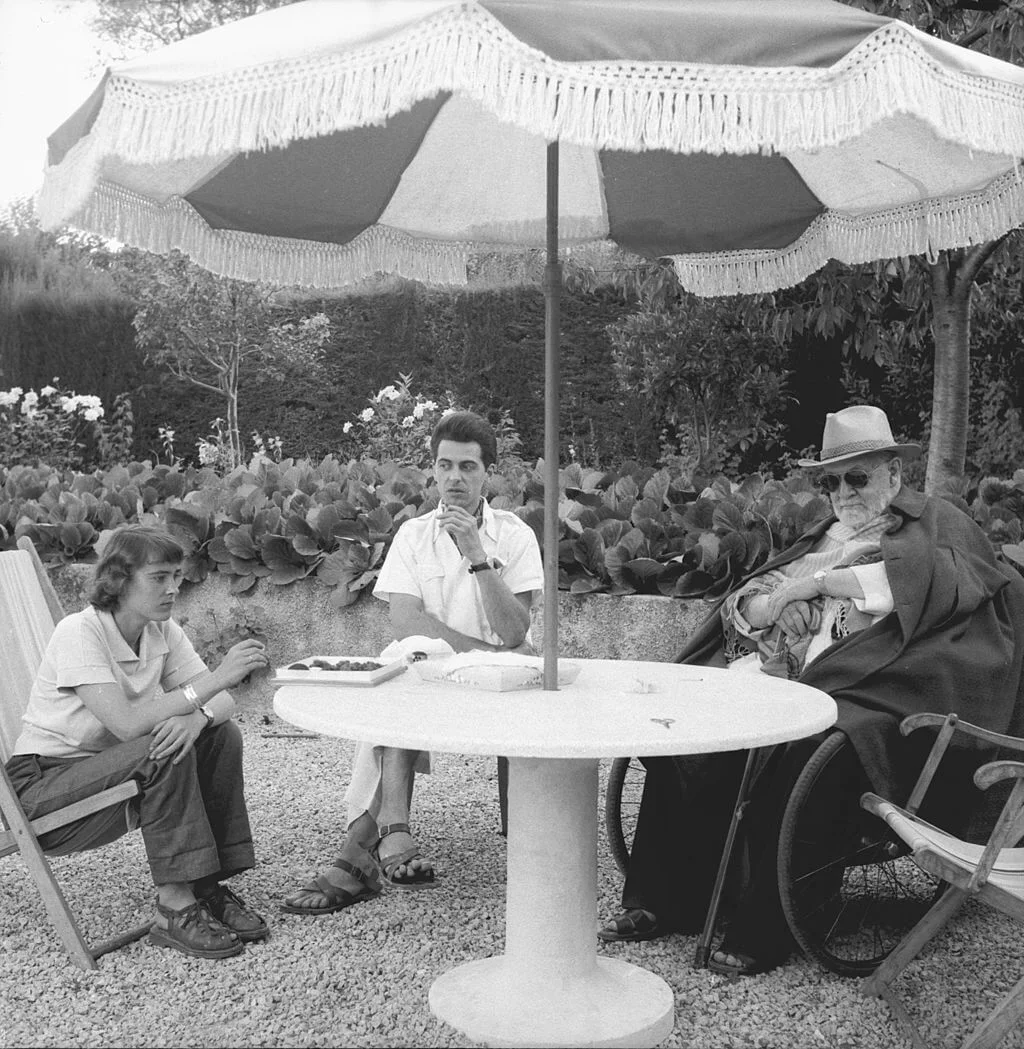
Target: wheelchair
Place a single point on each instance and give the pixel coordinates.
(848, 887)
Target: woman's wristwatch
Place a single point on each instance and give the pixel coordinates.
(819, 578)
(208, 714)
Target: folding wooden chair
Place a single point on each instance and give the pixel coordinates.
(29, 609)
(992, 873)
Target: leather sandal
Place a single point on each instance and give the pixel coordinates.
(418, 879)
(194, 931)
(632, 925)
(230, 911)
(337, 899)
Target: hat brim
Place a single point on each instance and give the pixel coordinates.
(907, 452)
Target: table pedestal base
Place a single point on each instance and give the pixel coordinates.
(550, 988)
(618, 1004)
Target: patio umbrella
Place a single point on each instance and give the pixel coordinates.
(749, 141)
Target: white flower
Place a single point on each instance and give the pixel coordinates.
(447, 412)
(207, 453)
(9, 397)
(390, 393)
(29, 402)
(47, 391)
(417, 412)
(346, 428)
(69, 404)
(429, 406)
(408, 422)
(366, 414)
(92, 414)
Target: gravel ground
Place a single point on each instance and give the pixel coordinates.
(361, 977)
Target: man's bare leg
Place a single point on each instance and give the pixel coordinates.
(396, 798)
(397, 778)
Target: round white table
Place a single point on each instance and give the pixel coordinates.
(550, 987)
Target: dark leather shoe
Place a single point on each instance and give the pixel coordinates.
(745, 965)
(194, 931)
(231, 911)
(632, 925)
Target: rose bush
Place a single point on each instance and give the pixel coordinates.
(64, 429)
(396, 426)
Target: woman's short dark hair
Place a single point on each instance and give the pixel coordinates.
(130, 548)
(466, 427)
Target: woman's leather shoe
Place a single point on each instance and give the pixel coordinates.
(194, 931)
(231, 911)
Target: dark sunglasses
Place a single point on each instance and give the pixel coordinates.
(827, 482)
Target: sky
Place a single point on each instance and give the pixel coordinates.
(49, 62)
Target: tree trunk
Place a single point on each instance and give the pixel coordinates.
(952, 279)
(951, 326)
(231, 396)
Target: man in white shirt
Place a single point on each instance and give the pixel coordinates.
(464, 573)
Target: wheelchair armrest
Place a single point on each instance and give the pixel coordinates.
(915, 721)
(996, 771)
(948, 725)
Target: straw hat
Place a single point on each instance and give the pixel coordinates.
(856, 431)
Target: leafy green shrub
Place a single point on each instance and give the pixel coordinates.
(637, 530)
(999, 509)
(241, 623)
(707, 380)
(646, 531)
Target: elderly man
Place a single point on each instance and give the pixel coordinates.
(895, 604)
(466, 574)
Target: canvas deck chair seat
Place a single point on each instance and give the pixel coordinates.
(29, 609)
(992, 873)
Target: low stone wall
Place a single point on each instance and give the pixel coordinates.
(300, 621)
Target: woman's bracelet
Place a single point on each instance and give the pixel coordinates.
(190, 694)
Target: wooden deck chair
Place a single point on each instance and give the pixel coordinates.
(992, 873)
(29, 609)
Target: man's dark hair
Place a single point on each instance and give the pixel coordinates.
(466, 427)
(130, 548)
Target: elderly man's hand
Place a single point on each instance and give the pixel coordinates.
(796, 619)
(788, 606)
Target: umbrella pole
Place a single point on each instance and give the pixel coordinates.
(552, 319)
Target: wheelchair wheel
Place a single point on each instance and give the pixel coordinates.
(849, 890)
(622, 806)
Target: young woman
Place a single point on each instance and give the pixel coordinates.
(121, 694)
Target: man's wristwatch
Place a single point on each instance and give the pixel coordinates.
(207, 713)
(819, 578)
(482, 566)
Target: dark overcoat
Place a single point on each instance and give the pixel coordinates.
(953, 643)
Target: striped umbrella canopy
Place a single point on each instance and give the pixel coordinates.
(749, 141)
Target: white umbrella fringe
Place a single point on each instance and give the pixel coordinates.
(608, 105)
(920, 228)
(911, 229)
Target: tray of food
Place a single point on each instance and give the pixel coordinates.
(339, 670)
(494, 672)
